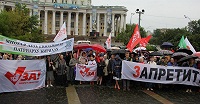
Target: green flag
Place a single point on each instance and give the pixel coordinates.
(182, 43)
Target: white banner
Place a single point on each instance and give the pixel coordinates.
(13, 46)
(22, 75)
(160, 74)
(86, 72)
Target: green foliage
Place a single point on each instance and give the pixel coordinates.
(18, 24)
(192, 32)
(125, 35)
(151, 47)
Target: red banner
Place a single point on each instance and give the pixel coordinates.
(135, 39)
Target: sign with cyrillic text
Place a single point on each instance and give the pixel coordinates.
(86, 72)
(13, 46)
(160, 74)
(22, 75)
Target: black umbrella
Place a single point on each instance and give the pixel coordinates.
(189, 52)
(165, 52)
(118, 51)
(167, 45)
(181, 54)
(187, 58)
(156, 53)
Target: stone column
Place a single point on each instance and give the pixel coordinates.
(45, 21)
(98, 21)
(113, 25)
(1, 8)
(13, 8)
(90, 22)
(105, 24)
(76, 27)
(61, 18)
(30, 12)
(69, 23)
(122, 22)
(39, 17)
(53, 23)
(69, 1)
(84, 24)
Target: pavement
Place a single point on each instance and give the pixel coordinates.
(86, 94)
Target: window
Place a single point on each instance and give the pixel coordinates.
(72, 24)
(82, 2)
(87, 23)
(57, 23)
(54, 1)
(72, 16)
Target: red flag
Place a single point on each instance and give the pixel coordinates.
(135, 39)
(144, 41)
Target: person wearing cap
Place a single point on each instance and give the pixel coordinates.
(117, 70)
(126, 83)
(100, 67)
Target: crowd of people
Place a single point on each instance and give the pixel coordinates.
(61, 68)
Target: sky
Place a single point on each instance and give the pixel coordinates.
(158, 13)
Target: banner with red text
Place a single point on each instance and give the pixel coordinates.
(160, 74)
(86, 72)
(22, 75)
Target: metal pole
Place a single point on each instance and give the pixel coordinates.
(139, 18)
(130, 18)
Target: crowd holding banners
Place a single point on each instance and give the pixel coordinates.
(91, 63)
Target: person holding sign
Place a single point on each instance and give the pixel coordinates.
(148, 84)
(126, 83)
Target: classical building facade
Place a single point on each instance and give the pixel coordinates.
(80, 16)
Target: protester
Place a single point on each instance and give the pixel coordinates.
(126, 83)
(72, 64)
(110, 69)
(141, 60)
(50, 67)
(61, 68)
(19, 57)
(92, 61)
(190, 63)
(117, 70)
(133, 57)
(172, 62)
(105, 70)
(83, 59)
(68, 57)
(149, 84)
(1, 56)
(100, 67)
(5, 57)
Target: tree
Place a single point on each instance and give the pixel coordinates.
(18, 24)
(125, 35)
(174, 35)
